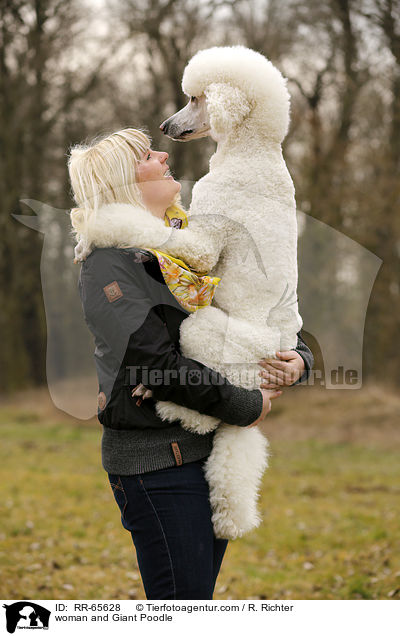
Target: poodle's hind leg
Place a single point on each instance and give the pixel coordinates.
(190, 420)
(234, 472)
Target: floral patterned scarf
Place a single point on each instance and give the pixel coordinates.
(191, 290)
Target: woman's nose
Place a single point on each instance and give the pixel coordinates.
(164, 157)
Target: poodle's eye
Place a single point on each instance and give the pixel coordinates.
(193, 99)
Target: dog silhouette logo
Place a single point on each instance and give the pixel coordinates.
(26, 615)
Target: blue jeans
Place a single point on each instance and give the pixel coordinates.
(168, 514)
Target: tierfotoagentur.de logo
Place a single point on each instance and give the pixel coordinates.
(26, 615)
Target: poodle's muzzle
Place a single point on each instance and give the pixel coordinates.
(191, 122)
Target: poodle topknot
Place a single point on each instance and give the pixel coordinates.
(252, 76)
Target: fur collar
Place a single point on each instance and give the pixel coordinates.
(121, 225)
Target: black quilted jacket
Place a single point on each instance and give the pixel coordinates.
(135, 321)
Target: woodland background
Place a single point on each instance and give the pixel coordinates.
(72, 70)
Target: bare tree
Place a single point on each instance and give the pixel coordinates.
(165, 34)
(35, 36)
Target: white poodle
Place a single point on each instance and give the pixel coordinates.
(242, 228)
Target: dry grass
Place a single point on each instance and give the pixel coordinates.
(369, 416)
(330, 504)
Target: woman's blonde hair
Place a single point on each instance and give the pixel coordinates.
(105, 171)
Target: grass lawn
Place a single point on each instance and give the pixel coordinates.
(330, 505)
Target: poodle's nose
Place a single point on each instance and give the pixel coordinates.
(164, 126)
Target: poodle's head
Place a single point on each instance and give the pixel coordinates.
(229, 86)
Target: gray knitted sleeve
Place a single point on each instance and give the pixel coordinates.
(243, 408)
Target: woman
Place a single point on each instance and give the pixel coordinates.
(154, 467)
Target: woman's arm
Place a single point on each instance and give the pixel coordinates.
(119, 300)
(189, 382)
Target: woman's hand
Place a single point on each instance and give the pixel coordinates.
(141, 393)
(267, 397)
(283, 372)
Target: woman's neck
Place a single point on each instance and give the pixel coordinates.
(158, 211)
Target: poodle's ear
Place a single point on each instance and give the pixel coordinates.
(227, 107)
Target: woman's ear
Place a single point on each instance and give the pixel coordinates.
(227, 106)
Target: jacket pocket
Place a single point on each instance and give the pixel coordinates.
(119, 496)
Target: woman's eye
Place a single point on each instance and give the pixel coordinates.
(148, 157)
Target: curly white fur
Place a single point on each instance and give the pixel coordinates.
(242, 227)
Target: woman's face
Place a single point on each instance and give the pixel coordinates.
(157, 186)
